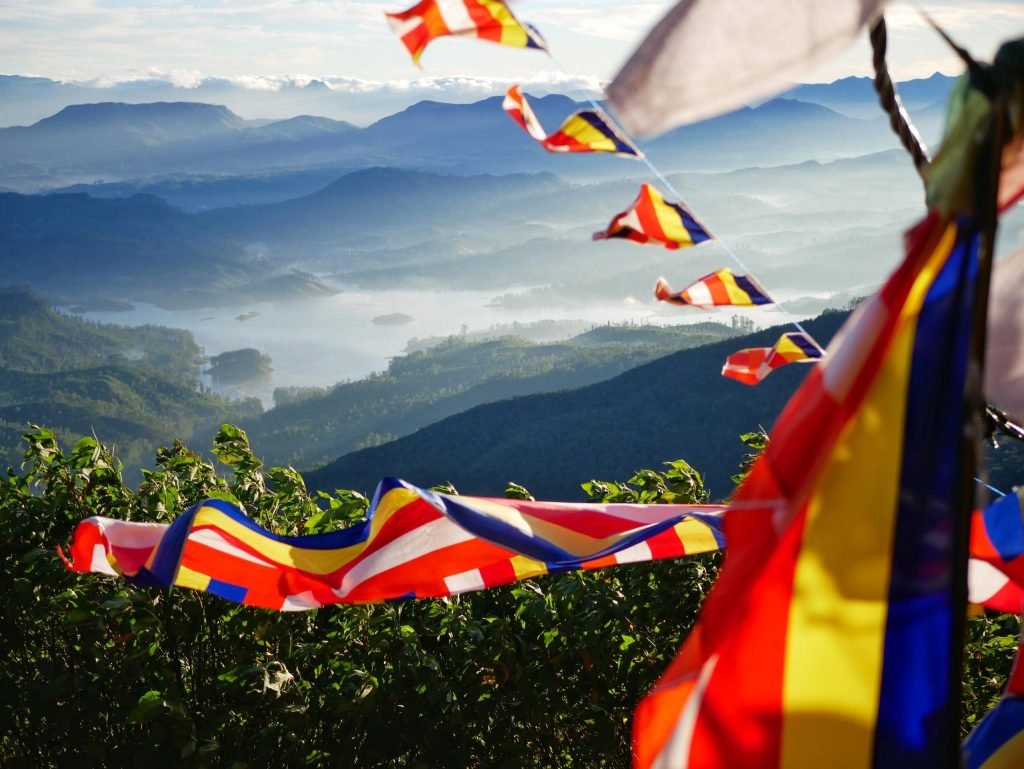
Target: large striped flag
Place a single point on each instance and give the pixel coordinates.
(652, 219)
(484, 19)
(828, 638)
(714, 290)
(752, 365)
(583, 131)
(413, 544)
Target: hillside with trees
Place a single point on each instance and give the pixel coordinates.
(309, 427)
(676, 405)
(135, 388)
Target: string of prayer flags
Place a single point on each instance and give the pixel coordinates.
(583, 131)
(828, 638)
(752, 365)
(717, 289)
(483, 19)
(652, 219)
(413, 544)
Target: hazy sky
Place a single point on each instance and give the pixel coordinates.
(184, 41)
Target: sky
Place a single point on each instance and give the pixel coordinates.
(260, 43)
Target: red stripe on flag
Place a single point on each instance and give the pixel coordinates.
(649, 218)
(487, 27)
(719, 294)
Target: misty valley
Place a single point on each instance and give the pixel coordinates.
(420, 296)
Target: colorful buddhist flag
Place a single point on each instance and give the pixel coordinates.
(715, 290)
(413, 544)
(652, 219)
(484, 19)
(828, 639)
(584, 131)
(752, 365)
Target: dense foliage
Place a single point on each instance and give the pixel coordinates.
(676, 405)
(131, 386)
(544, 673)
(310, 427)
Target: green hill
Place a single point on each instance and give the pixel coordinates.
(676, 406)
(311, 427)
(135, 388)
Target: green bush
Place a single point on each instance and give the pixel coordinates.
(543, 673)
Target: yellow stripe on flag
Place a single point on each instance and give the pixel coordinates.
(670, 222)
(841, 584)
(512, 32)
(525, 568)
(191, 579)
(696, 536)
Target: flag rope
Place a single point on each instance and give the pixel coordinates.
(788, 317)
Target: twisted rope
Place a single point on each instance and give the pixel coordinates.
(899, 121)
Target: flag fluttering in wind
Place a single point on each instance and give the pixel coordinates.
(584, 131)
(717, 289)
(997, 537)
(652, 219)
(706, 57)
(828, 637)
(752, 365)
(413, 544)
(484, 19)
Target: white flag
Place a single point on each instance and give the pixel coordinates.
(707, 57)
(1004, 348)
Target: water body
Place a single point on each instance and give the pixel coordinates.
(320, 342)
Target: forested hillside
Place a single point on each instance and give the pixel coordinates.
(675, 406)
(134, 388)
(310, 427)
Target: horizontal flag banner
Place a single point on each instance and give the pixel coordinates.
(584, 131)
(721, 288)
(413, 544)
(752, 365)
(483, 19)
(652, 219)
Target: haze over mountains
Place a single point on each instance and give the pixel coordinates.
(118, 142)
(435, 195)
(310, 227)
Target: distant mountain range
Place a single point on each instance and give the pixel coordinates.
(812, 226)
(856, 97)
(24, 100)
(117, 142)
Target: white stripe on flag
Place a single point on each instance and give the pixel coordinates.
(983, 580)
(637, 553)
(700, 294)
(467, 580)
(402, 27)
(422, 540)
(456, 16)
(99, 563)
